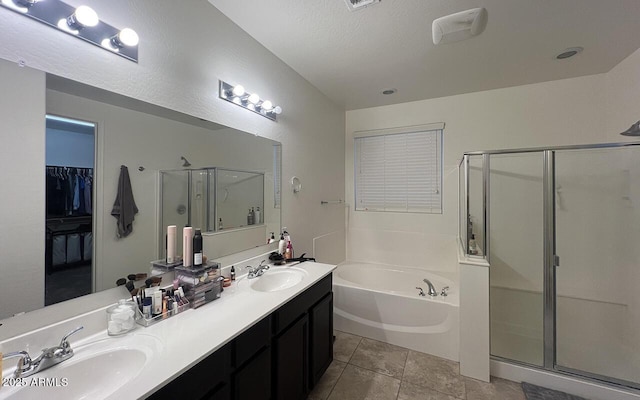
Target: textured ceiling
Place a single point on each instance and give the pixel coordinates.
(352, 56)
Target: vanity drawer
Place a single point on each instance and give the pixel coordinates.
(292, 310)
(251, 341)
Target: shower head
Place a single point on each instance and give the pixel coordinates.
(186, 162)
(634, 130)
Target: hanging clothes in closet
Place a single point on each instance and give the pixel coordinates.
(68, 191)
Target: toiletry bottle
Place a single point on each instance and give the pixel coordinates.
(257, 215)
(287, 252)
(197, 249)
(253, 216)
(272, 238)
(281, 244)
(250, 218)
(233, 273)
(187, 246)
(220, 224)
(171, 244)
(473, 247)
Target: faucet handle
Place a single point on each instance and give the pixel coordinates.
(421, 293)
(64, 344)
(444, 291)
(265, 267)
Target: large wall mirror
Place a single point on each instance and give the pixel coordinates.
(182, 170)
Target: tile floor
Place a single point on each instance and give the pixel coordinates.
(368, 369)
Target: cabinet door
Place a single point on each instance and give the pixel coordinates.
(292, 362)
(321, 338)
(205, 377)
(253, 381)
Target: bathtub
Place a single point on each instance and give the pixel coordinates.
(381, 302)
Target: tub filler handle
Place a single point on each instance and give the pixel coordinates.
(445, 291)
(421, 291)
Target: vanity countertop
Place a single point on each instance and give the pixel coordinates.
(189, 337)
(180, 342)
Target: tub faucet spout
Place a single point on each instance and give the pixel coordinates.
(432, 290)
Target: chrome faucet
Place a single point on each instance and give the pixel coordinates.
(432, 290)
(49, 357)
(257, 271)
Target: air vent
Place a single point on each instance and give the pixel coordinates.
(355, 5)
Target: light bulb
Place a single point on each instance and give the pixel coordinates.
(254, 98)
(277, 110)
(251, 107)
(128, 37)
(85, 16)
(267, 105)
(238, 90)
(109, 45)
(237, 100)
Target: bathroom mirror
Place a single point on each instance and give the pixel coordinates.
(83, 243)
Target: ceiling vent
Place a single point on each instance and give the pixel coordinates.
(459, 26)
(355, 5)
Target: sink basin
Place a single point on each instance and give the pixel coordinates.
(275, 280)
(96, 370)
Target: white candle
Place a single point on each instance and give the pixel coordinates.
(187, 246)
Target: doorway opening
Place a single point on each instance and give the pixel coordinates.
(69, 174)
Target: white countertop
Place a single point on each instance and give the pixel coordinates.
(191, 336)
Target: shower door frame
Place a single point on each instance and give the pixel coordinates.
(551, 259)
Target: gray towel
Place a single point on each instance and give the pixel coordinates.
(124, 208)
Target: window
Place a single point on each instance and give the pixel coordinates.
(399, 170)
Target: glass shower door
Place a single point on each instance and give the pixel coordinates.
(597, 213)
(516, 256)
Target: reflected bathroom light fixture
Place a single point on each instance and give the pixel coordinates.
(634, 130)
(250, 101)
(21, 6)
(81, 22)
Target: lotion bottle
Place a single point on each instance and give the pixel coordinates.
(281, 244)
(272, 238)
(257, 215)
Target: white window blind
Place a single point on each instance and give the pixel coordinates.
(277, 174)
(399, 171)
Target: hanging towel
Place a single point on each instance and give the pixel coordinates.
(124, 208)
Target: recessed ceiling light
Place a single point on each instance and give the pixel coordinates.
(570, 52)
(389, 91)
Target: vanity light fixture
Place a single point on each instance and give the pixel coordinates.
(81, 22)
(250, 101)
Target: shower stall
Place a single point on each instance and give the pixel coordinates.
(211, 199)
(560, 229)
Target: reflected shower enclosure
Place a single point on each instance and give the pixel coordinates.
(211, 199)
(560, 228)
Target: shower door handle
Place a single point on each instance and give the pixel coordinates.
(556, 260)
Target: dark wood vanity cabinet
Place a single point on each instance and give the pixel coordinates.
(281, 357)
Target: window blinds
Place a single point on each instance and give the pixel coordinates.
(399, 171)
